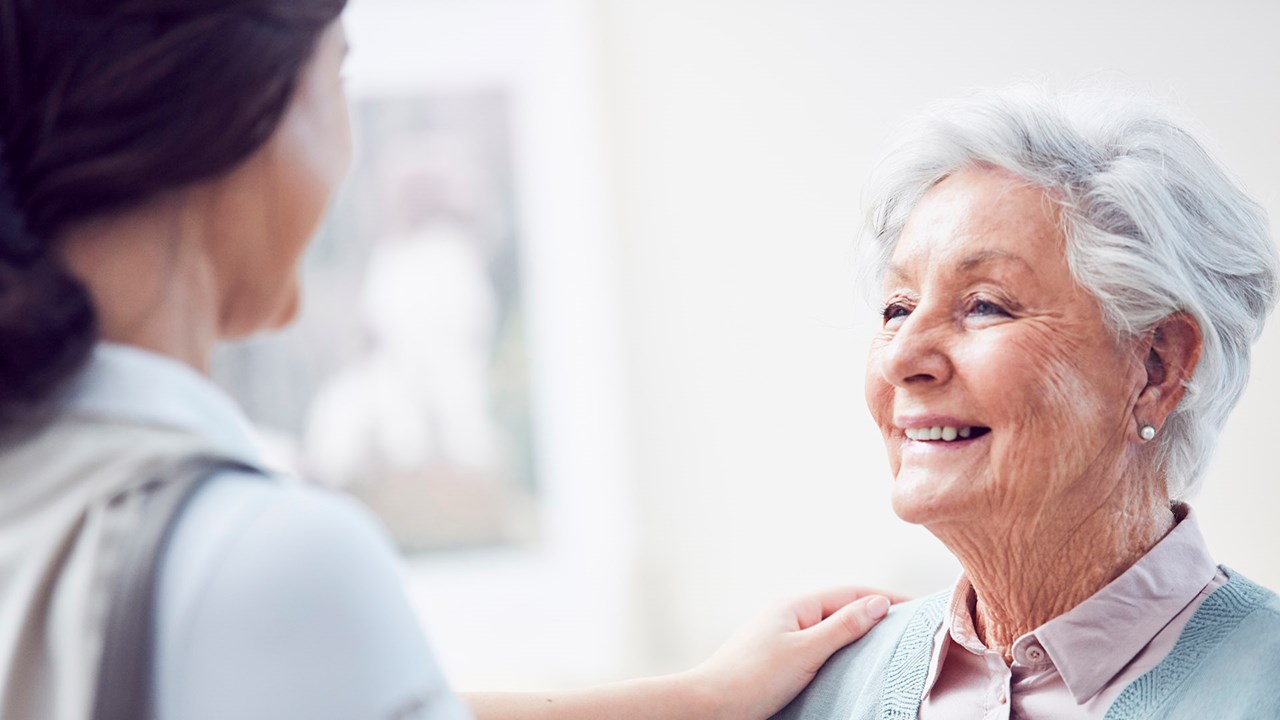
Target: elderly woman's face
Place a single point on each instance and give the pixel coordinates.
(998, 388)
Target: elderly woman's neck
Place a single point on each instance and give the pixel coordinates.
(1031, 569)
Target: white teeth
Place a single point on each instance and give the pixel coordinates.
(945, 433)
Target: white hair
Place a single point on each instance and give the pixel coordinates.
(1154, 225)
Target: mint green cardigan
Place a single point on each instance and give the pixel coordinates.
(1225, 665)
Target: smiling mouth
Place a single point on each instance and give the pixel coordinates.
(946, 433)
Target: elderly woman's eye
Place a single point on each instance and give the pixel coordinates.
(986, 307)
(894, 311)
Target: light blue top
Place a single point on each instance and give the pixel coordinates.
(1225, 665)
(276, 600)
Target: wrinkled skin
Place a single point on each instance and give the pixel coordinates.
(985, 326)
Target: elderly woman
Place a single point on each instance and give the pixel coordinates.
(1071, 286)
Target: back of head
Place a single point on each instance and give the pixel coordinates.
(105, 105)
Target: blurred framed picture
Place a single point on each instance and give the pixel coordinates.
(455, 365)
(422, 408)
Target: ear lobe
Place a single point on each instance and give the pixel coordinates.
(1171, 361)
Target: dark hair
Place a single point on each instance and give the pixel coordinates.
(105, 104)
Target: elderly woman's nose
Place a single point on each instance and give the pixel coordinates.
(916, 355)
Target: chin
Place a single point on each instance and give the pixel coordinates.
(287, 311)
(923, 498)
(279, 316)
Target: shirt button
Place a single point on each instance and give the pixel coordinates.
(1035, 654)
(1003, 699)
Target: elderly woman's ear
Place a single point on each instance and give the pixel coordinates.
(1172, 350)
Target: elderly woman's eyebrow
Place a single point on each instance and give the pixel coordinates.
(975, 260)
(896, 273)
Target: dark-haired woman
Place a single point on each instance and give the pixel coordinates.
(163, 164)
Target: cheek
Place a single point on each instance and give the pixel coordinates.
(1033, 377)
(1054, 395)
(315, 153)
(329, 141)
(1083, 378)
(876, 389)
(879, 396)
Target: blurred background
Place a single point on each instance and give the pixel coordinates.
(582, 327)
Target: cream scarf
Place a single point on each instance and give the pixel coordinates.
(64, 507)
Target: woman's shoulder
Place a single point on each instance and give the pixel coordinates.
(247, 527)
(886, 663)
(1238, 605)
(1223, 664)
(1241, 612)
(274, 593)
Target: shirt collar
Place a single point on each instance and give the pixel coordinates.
(1091, 643)
(943, 637)
(122, 383)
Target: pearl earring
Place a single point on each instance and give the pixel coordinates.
(1147, 431)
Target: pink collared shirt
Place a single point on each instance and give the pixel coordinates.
(1075, 665)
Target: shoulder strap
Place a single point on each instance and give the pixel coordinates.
(126, 673)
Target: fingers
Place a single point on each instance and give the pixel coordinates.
(814, 609)
(848, 624)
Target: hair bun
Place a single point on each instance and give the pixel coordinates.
(47, 321)
(47, 328)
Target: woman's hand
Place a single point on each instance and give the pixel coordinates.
(752, 676)
(769, 661)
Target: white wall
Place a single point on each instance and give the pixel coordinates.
(739, 136)
(559, 613)
(690, 175)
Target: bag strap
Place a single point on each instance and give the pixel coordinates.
(127, 670)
